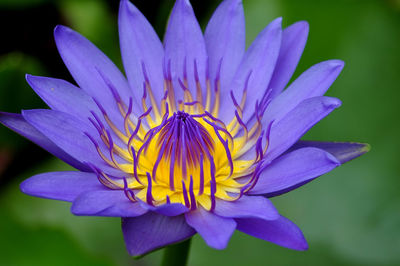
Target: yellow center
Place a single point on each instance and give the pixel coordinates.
(180, 153)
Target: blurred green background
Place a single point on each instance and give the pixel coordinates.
(350, 216)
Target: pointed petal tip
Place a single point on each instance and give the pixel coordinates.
(7, 120)
(60, 28)
(277, 22)
(361, 149)
(122, 4)
(31, 187)
(233, 2)
(207, 226)
(25, 186)
(331, 102)
(274, 27)
(231, 6)
(343, 151)
(282, 232)
(337, 63)
(31, 79)
(61, 32)
(183, 3)
(303, 246)
(127, 6)
(299, 243)
(365, 147)
(28, 113)
(303, 23)
(187, 2)
(332, 65)
(182, 7)
(301, 26)
(219, 246)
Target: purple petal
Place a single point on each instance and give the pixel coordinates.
(312, 83)
(257, 67)
(297, 122)
(343, 151)
(140, 45)
(215, 230)
(152, 231)
(226, 39)
(60, 185)
(65, 97)
(184, 44)
(62, 96)
(294, 39)
(67, 132)
(106, 202)
(294, 169)
(247, 207)
(92, 70)
(172, 209)
(281, 231)
(18, 124)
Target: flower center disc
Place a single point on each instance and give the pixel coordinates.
(185, 156)
(181, 159)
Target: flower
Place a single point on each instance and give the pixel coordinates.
(197, 138)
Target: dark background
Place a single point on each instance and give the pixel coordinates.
(350, 216)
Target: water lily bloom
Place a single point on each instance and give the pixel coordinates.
(195, 139)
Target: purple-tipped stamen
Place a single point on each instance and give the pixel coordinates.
(213, 185)
(128, 192)
(201, 185)
(109, 84)
(185, 195)
(135, 165)
(193, 205)
(126, 118)
(149, 196)
(224, 143)
(159, 157)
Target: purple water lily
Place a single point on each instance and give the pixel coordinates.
(197, 137)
